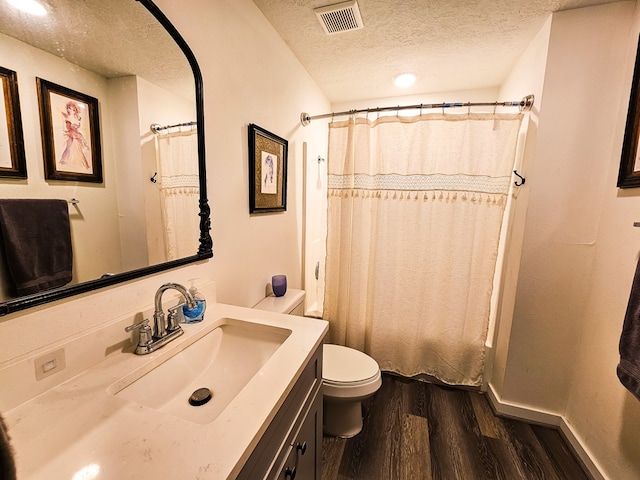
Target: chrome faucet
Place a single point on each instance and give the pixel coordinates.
(164, 329)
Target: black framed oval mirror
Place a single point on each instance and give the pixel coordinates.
(132, 36)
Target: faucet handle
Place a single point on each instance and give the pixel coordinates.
(140, 325)
(173, 319)
(145, 331)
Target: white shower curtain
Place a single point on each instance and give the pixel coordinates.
(179, 192)
(415, 207)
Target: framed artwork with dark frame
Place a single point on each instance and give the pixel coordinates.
(70, 126)
(267, 171)
(629, 173)
(13, 163)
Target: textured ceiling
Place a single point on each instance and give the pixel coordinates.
(113, 38)
(448, 44)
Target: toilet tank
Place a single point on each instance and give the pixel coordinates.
(292, 302)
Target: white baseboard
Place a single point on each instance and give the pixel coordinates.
(522, 412)
(589, 463)
(526, 413)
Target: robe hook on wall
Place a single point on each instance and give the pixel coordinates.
(153, 179)
(516, 183)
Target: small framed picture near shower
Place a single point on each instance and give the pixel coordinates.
(12, 158)
(267, 171)
(70, 127)
(629, 173)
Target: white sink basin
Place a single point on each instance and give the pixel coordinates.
(223, 361)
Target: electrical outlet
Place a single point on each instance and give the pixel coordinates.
(50, 363)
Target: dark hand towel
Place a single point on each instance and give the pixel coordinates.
(629, 367)
(7, 463)
(37, 243)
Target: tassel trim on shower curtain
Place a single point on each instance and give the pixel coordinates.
(474, 197)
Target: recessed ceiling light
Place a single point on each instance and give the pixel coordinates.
(30, 6)
(405, 80)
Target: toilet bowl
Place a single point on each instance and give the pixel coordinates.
(348, 375)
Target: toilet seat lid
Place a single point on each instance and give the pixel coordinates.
(347, 365)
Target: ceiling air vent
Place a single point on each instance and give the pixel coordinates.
(340, 17)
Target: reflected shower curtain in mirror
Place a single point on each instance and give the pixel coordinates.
(179, 192)
(415, 207)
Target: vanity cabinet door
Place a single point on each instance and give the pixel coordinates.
(305, 457)
(294, 437)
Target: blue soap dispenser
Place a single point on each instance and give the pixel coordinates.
(195, 315)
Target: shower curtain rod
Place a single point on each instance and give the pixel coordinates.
(155, 128)
(525, 105)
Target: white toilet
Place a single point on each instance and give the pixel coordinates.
(349, 376)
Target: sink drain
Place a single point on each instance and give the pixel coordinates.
(200, 397)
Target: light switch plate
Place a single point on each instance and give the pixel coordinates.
(50, 363)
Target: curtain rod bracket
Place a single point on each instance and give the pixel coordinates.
(526, 104)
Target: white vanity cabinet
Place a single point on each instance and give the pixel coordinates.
(291, 447)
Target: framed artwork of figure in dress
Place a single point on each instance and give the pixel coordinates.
(70, 134)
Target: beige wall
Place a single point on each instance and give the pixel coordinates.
(580, 247)
(598, 407)
(526, 78)
(128, 172)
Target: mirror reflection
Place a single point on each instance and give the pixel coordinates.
(144, 211)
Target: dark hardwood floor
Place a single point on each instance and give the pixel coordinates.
(420, 431)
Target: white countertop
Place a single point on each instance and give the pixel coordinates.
(78, 426)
